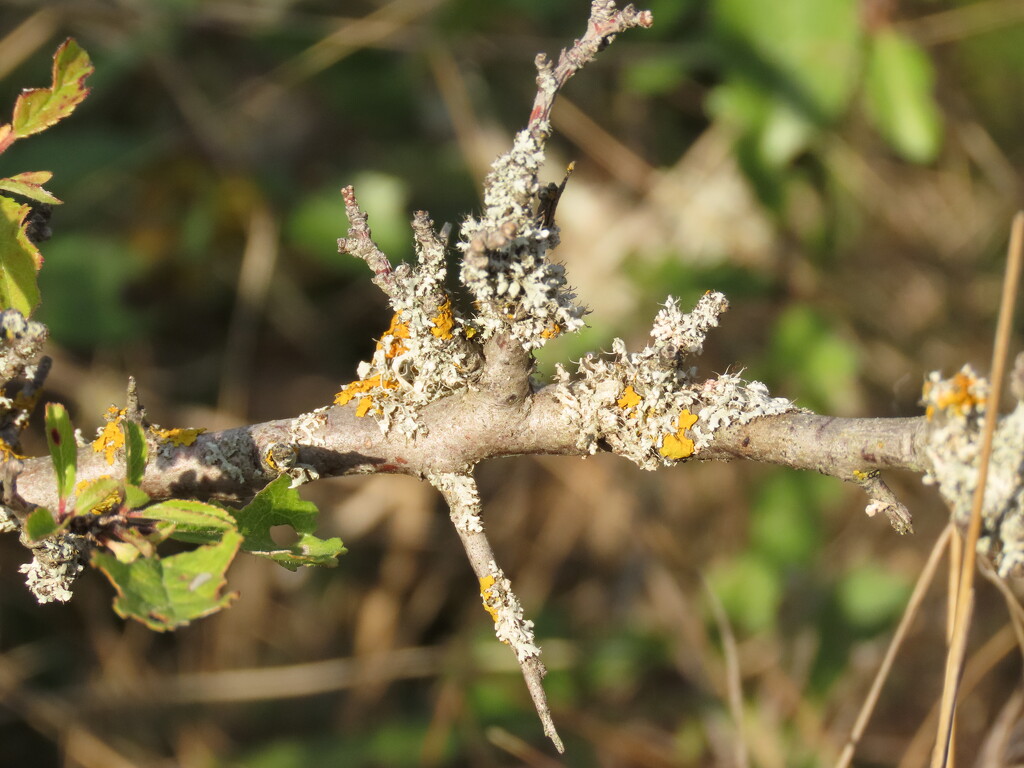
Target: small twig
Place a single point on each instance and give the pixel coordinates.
(359, 243)
(500, 601)
(606, 21)
(965, 593)
(884, 500)
(916, 598)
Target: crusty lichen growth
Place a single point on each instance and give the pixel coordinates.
(649, 405)
(507, 613)
(463, 500)
(56, 563)
(957, 408)
(506, 264)
(424, 354)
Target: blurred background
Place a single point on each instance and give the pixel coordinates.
(844, 170)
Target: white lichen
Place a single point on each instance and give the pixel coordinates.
(649, 405)
(55, 565)
(463, 500)
(956, 408)
(509, 625)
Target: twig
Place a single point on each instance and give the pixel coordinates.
(500, 601)
(606, 21)
(916, 598)
(965, 593)
(359, 243)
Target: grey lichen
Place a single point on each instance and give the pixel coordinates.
(957, 408)
(56, 563)
(649, 406)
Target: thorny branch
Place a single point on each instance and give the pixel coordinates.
(445, 391)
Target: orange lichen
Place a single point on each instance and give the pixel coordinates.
(551, 331)
(397, 330)
(958, 397)
(629, 400)
(362, 387)
(111, 438)
(486, 583)
(177, 437)
(678, 445)
(444, 321)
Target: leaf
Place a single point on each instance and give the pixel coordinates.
(30, 185)
(167, 593)
(98, 493)
(135, 497)
(40, 524)
(136, 452)
(194, 521)
(60, 437)
(278, 504)
(38, 108)
(19, 259)
(899, 99)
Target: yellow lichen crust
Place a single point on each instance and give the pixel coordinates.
(110, 501)
(443, 321)
(111, 437)
(629, 401)
(177, 437)
(391, 342)
(959, 396)
(552, 331)
(486, 583)
(363, 387)
(7, 452)
(679, 446)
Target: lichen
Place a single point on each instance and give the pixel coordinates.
(110, 438)
(505, 609)
(649, 405)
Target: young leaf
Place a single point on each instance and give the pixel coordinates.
(194, 521)
(136, 451)
(899, 99)
(135, 497)
(19, 259)
(40, 524)
(30, 185)
(278, 504)
(60, 438)
(38, 108)
(97, 494)
(167, 593)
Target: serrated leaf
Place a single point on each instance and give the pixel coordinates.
(167, 593)
(136, 451)
(898, 96)
(194, 521)
(278, 504)
(60, 438)
(38, 108)
(30, 185)
(97, 494)
(19, 259)
(40, 524)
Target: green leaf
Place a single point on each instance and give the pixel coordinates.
(30, 185)
(194, 521)
(134, 496)
(805, 52)
(278, 504)
(60, 437)
(136, 452)
(167, 593)
(899, 99)
(97, 492)
(19, 259)
(40, 524)
(38, 108)
(750, 590)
